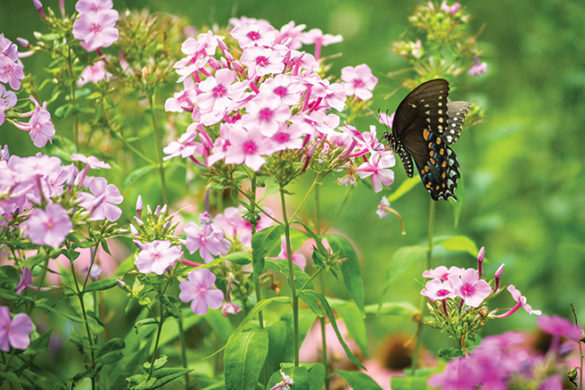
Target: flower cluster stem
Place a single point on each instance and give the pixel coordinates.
(430, 243)
(158, 146)
(183, 349)
(291, 277)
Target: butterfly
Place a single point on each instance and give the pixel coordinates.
(425, 124)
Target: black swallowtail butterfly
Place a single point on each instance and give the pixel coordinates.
(425, 123)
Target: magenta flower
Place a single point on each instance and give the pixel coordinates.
(206, 239)
(262, 61)
(7, 100)
(521, 302)
(157, 256)
(14, 332)
(477, 68)
(358, 81)
(102, 201)
(469, 287)
(197, 289)
(247, 147)
(93, 74)
(450, 9)
(25, 280)
(96, 29)
(436, 290)
(49, 226)
(377, 168)
(558, 326)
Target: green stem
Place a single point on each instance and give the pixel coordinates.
(158, 145)
(580, 350)
(183, 349)
(322, 285)
(253, 215)
(154, 353)
(86, 322)
(300, 206)
(419, 327)
(256, 205)
(291, 277)
(339, 209)
(72, 96)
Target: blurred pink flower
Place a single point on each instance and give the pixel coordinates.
(157, 256)
(96, 29)
(49, 226)
(25, 280)
(230, 309)
(93, 74)
(521, 302)
(358, 81)
(14, 332)
(477, 68)
(450, 9)
(559, 326)
(197, 289)
(297, 258)
(206, 239)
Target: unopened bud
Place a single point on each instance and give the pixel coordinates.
(498, 276)
(480, 257)
(138, 244)
(121, 283)
(157, 211)
(133, 230)
(139, 206)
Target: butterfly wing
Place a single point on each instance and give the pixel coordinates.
(420, 131)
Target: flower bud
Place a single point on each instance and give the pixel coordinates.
(480, 257)
(139, 206)
(497, 277)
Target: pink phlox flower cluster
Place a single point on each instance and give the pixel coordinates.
(234, 226)
(498, 362)
(94, 74)
(456, 283)
(269, 99)
(14, 332)
(11, 67)
(49, 226)
(559, 326)
(206, 238)
(157, 256)
(198, 290)
(40, 126)
(96, 24)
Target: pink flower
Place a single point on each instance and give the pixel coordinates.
(287, 137)
(291, 35)
(316, 36)
(93, 73)
(14, 332)
(283, 87)
(83, 6)
(558, 326)
(378, 168)
(477, 68)
(40, 126)
(25, 280)
(254, 33)
(380, 210)
(436, 290)
(230, 309)
(247, 147)
(358, 81)
(197, 289)
(218, 95)
(452, 9)
(102, 201)
(49, 226)
(296, 258)
(11, 68)
(386, 119)
(441, 272)
(96, 29)
(197, 52)
(157, 256)
(470, 287)
(262, 61)
(206, 239)
(521, 302)
(7, 100)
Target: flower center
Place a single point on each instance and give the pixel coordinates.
(281, 137)
(253, 35)
(265, 114)
(358, 83)
(262, 61)
(280, 91)
(95, 28)
(219, 91)
(467, 290)
(8, 69)
(250, 147)
(442, 292)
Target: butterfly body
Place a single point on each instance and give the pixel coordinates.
(425, 124)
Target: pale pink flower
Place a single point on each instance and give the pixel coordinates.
(230, 309)
(102, 201)
(436, 290)
(441, 272)
(93, 74)
(316, 36)
(11, 67)
(377, 168)
(157, 256)
(262, 61)
(7, 100)
(206, 239)
(477, 68)
(197, 52)
(93, 5)
(14, 332)
(287, 137)
(49, 226)
(469, 287)
(559, 326)
(24, 281)
(296, 258)
(96, 29)
(218, 94)
(257, 33)
(247, 147)
(358, 81)
(386, 119)
(197, 289)
(90, 161)
(40, 126)
(291, 35)
(521, 302)
(283, 87)
(450, 9)
(267, 114)
(380, 210)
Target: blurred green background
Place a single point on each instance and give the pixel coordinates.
(522, 167)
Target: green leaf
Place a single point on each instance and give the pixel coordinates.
(299, 375)
(266, 242)
(99, 285)
(332, 319)
(355, 324)
(404, 259)
(111, 357)
(313, 302)
(392, 309)
(359, 380)
(408, 383)
(403, 189)
(220, 324)
(244, 358)
(350, 268)
(458, 204)
(281, 265)
(458, 244)
(257, 308)
(166, 375)
(277, 336)
(136, 175)
(112, 345)
(241, 258)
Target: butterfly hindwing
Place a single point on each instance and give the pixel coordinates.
(425, 123)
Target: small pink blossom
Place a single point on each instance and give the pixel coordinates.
(218, 95)
(206, 239)
(83, 6)
(296, 258)
(93, 74)
(283, 87)
(96, 29)
(14, 332)
(7, 100)
(521, 302)
(436, 290)
(197, 289)
(386, 119)
(262, 61)
(358, 81)
(477, 68)
(90, 161)
(441, 272)
(559, 326)
(247, 147)
(230, 309)
(380, 210)
(291, 35)
(49, 226)
(287, 137)
(40, 126)
(316, 36)
(11, 67)
(450, 9)
(102, 201)
(157, 256)
(470, 287)
(377, 168)
(258, 33)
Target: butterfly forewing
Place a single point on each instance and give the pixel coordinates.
(424, 125)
